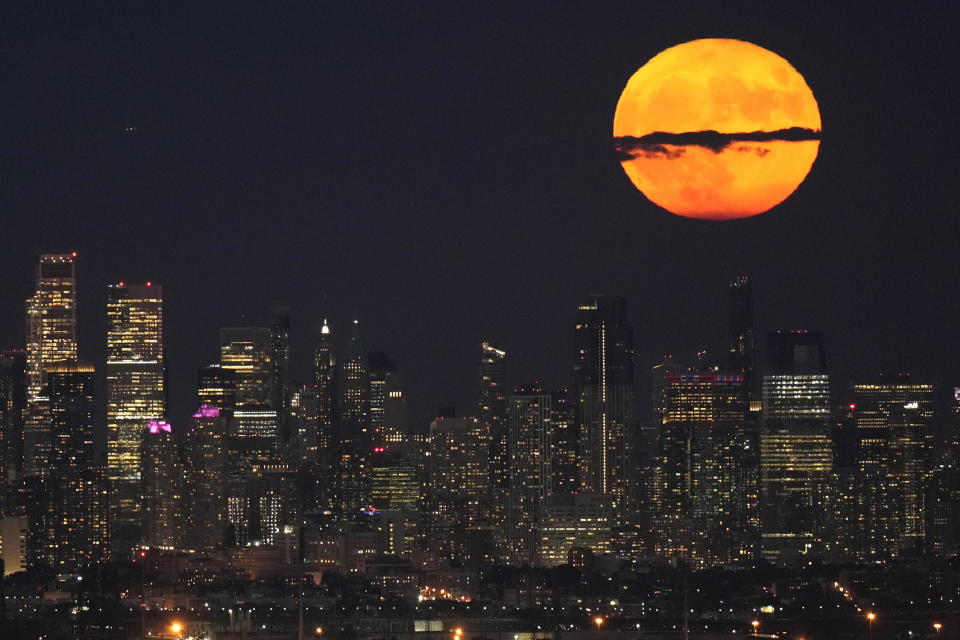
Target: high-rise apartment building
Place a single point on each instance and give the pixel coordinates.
(493, 415)
(162, 486)
(51, 340)
(603, 388)
(206, 468)
(530, 416)
(700, 489)
(796, 446)
(136, 394)
(76, 497)
(457, 483)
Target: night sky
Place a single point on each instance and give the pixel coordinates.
(445, 172)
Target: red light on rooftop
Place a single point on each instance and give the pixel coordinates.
(74, 254)
(149, 284)
(852, 406)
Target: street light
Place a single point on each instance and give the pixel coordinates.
(755, 624)
(937, 626)
(176, 628)
(318, 631)
(870, 618)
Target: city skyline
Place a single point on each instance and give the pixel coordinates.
(561, 377)
(345, 320)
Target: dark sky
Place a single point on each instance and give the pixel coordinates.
(445, 171)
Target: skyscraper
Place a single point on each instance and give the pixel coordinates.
(493, 415)
(162, 484)
(217, 387)
(51, 318)
(206, 457)
(13, 403)
(796, 446)
(740, 338)
(700, 489)
(136, 394)
(383, 379)
(531, 416)
(248, 352)
(603, 387)
(894, 420)
(302, 447)
(76, 496)
(354, 394)
(456, 485)
(280, 362)
(325, 378)
(51, 339)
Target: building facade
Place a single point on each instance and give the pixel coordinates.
(136, 394)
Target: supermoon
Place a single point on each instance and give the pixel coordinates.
(717, 129)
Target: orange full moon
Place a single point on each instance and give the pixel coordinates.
(717, 129)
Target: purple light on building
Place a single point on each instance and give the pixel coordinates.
(207, 411)
(157, 426)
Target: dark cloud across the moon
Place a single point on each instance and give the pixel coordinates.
(659, 143)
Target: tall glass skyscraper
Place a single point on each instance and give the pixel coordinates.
(493, 415)
(51, 318)
(51, 339)
(893, 417)
(248, 352)
(136, 395)
(796, 446)
(603, 388)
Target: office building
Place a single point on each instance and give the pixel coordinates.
(51, 339)
(136, 394)
(325, 379)
(893, 418)
(355, 391)
(603, 388)
(573, 521)
(700, 501)
(248, 352)
(796, 446)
